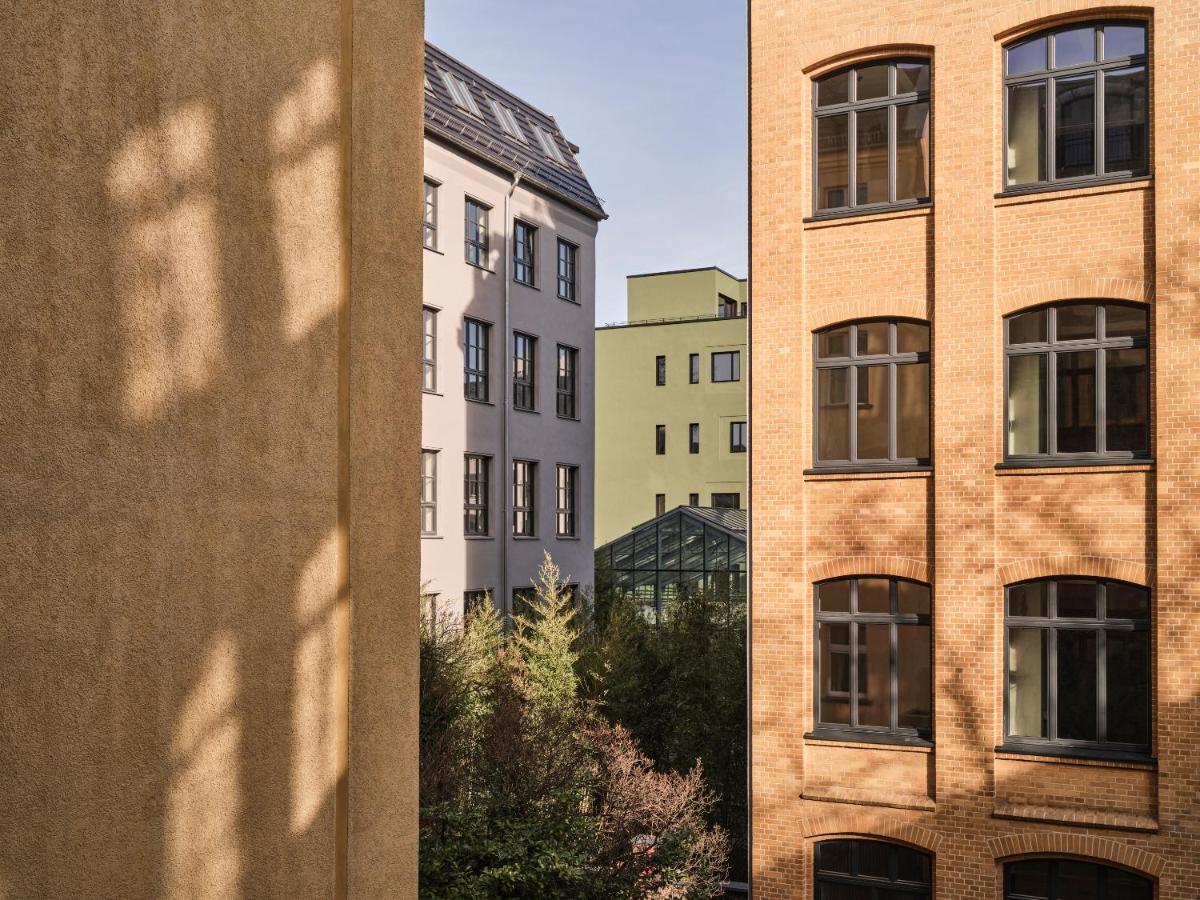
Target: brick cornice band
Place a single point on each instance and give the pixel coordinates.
(1082, 287)
(1059, 843)
(868, 307)
(845, 566)
(865, 44)
(1037, 14)
(865, 823)
(1072, 564)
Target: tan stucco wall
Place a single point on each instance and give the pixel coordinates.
(207, 483)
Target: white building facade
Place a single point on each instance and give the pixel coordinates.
(508, 425)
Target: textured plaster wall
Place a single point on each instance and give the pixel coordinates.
(207, 507)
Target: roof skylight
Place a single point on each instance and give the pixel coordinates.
(461, 94)
(508, 121)
(549, 145)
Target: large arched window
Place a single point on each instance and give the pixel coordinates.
(873, 667)
(1078, 383)
(866, 870)
(1077, 667)
(871, 131)
(871, 383)
(1077, 105)
(1051, 879)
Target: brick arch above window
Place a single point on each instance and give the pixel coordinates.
(855, 823)
(1036, 15)
(1088, 288)
(864, 45)
(825, 316)
(847, 566)
(1067, 565)
(1091, 847)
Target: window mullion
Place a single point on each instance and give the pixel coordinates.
(852, 395)
(1051, 148)
(1101, 166)
(893, 443)
(894, 650)
(892, 149)
(1101, 686)
(1101, 401)
(853, 655)
(1052, 683)
(852, 154)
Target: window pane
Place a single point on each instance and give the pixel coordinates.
(1076, 880)
(1077, 685)
(1075, 322)
(1124, 885)
(875, 675)
(1125, 103)
(1026, 133)
(912, 338)
(833, 89)
(1027, 404)
(1075, 126)
(913, 598)
(1127, 413)
(872, 410)
(873, 857)
(834, 596)
(1124, 321)
(874, 595)
(1075, 47)
(1027, 328)
(1029, 56)
(1027, 599)
(833, 167)
(833, 344)
(833, 414)
(871, 153)
(872, 339)
(1126, 601)
(1127, 678)
(915, 709)
(1076, 391)
(1077, 599)
(1124, 40)
(834, 856)
(912, 77)
(871, 81)
(912, 411)
(912, 151)
(834, 639)
(845, 892)
(1029, 877)
(1027, 710)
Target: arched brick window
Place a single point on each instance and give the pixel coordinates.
(858, 870)
(1043, 879)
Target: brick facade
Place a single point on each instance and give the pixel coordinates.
(968, 528)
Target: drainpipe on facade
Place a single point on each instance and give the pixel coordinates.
(506, 472)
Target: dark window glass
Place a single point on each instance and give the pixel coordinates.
(871, 133)
(871, 870)
(727, 501)
(476, 337)
(429, 363)
(660, 504)
(1072, 879)
(473, 599)
(566, 382)
(1078, 664)
(524, 247)
(693, 368)
(694, 437)
(1088, 139)
(737, 437)
(660, 370)
(476, 494)
(429, 492)
(477, 233)
(1094, 344)
(524, 487)
(874, 634)
(567, 253)
(524, 367)
(660, 439)
(693, 499)
(888, 389)
(566, 500)
(727, 366)
(429, 224)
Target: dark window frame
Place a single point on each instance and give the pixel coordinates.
(524, 498)
(1051, 865)
(738, 437)
(566, 500)
(477, 379)
(660, 504)
(1051, 623)
(477, 514)
(693, 437)
(660, 440)
(735, 366)
(567, 383)
(429, 492)
(727, 307)
(1050, 349)
(524, 372)
(850, 109)
(693, 368)
(471, 599)
(429, 217)
(524, 253)
(567, 269)
(429, 319)
(736, 504)
(693, 499)
(660, 371)
(476, 234)
(893, 733)
(891, 886)
(854, 362)
(1047, 77)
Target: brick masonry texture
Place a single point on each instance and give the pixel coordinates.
(967, 528)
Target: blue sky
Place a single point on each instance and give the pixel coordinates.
(654, 94)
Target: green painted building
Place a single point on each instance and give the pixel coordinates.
(671, 400)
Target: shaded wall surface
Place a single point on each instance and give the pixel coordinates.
(207, 487)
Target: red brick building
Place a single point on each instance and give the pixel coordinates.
(975, 538)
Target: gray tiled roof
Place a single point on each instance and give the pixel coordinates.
(487, 139)
(732, 521)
